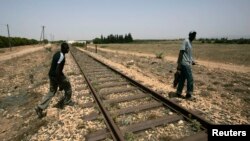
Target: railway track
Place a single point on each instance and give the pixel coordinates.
(132, 111)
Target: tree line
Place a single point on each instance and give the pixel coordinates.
(127, 38)
(225, 41)
(16, 41)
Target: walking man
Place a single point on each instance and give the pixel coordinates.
(185, 62)
(57, 79)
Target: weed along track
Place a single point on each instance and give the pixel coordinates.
(132, 111)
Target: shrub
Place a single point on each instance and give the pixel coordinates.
(159, 55)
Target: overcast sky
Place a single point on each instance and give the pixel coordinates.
(144, 19)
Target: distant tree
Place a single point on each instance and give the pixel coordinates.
(5, 41)
(130, 38)
(120, 39)
(97, 41)
(126, 38)
(16, 41)
(33, 41)
(1, 43)
(225, 41)
(45, 41)
(114, 39)
(102, 39)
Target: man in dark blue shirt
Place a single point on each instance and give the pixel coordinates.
(57, 79)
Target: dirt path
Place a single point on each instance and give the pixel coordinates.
(19, 51)
(208, 64)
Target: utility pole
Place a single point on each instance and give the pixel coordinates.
(42, 34)
(9, 36)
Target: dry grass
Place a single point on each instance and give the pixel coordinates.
(224, 53)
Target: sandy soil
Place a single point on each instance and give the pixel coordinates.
(222, 95)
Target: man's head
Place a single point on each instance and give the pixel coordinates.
(64, 48)
(192, 35)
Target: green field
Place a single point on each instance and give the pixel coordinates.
(225, 53)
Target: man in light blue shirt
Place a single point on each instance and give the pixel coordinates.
(185, 62)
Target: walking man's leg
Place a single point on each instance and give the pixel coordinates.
(66, 99)
(46, 100)
(190, 82)
(67, 91)
(181, 82)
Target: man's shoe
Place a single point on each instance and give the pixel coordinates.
(179, 95)
(39, 112)
(190, 97)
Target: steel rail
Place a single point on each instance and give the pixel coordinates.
(115, 132)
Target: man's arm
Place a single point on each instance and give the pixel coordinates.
(59, 72)
(59, 68)
(180, 59)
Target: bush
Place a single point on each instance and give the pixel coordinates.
(16, 41)
(159, 55)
